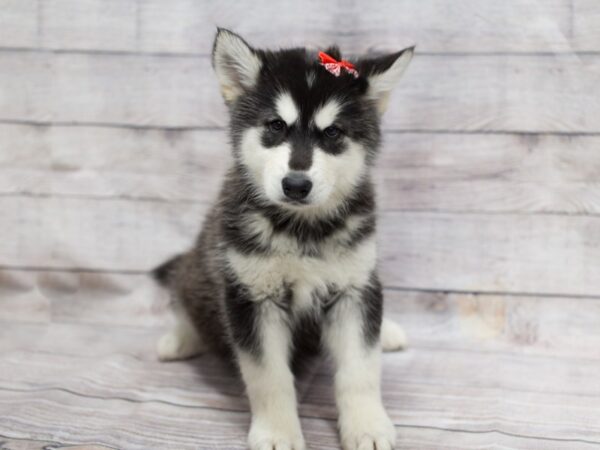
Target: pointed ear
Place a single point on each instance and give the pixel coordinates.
(383, 73)
(236, 63)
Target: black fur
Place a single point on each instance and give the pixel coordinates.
(243, 313)
(372, 309)
(164, 273)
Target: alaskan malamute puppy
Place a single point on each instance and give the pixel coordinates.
(286, 261)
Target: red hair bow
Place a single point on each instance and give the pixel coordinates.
(335, 67)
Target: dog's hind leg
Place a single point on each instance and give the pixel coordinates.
(182, 341)
(393, 337)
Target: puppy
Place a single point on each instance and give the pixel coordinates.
(286, 261)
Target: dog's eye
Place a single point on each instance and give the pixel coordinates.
(332, 132)
(277, 126)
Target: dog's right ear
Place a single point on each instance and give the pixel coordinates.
(236, 63)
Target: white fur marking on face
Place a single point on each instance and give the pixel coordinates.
(267, 166)
(326, 114)
(286, 108)
(334, 176)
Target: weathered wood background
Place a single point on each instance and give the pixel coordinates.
(111, 147)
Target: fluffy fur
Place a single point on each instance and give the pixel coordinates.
(286, 261)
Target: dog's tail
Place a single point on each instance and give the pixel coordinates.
(163, 274)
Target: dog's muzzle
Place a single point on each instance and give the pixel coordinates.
(296, 186)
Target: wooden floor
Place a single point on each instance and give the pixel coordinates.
(112, 144)
(482, 371)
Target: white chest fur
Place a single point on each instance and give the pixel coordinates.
(269, 275)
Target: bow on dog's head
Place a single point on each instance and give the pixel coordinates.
(335, 67)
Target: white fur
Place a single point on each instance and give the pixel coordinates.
(268, 166)
(286, 108)
(381, 84)
(334, 176)
(237, 66)
(266, 275)
(259, 226)
(393, 336)
(326, 114)
(182, 341)
(270, 387)
(363, 422)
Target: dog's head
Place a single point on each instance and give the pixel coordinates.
(305, 133)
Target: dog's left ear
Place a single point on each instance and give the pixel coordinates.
(383, 73)
(236, 63)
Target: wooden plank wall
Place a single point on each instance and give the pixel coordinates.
(112, 143)
(489, 173)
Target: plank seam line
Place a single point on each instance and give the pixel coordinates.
(74, 124)
(76, 269)
(490, 293)
(304, 416)
(103, 198)
(386, 287)
(417, 347)
(420, 383)
(167, 54)
(184, 128)
(466, 212)
(506, 433)
(63, 444)
(191, 201)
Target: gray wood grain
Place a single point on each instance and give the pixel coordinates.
(112, 143)
(536, 325)
(424, 389)
(89, 24)
(426, 172)
(31, 444)
(18, 23)
(434, 25)
(557, 254)
(448, 92)
(586, 25)
(480, 370)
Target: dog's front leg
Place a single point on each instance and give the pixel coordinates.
(352, 336)
(263, 340)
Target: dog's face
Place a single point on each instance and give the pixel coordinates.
(304, 136)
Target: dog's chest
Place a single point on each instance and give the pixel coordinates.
(309, 278)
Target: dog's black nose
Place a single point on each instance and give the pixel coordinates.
(296, 186)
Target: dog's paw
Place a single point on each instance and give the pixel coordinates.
(178, 344)
(281, 436)
(367, 428)
(393, 337)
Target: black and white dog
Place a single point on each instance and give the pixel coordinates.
(286, 261)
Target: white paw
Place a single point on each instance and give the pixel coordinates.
(393, 336)
(265, 435)
(179, 343)
(367, 428)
